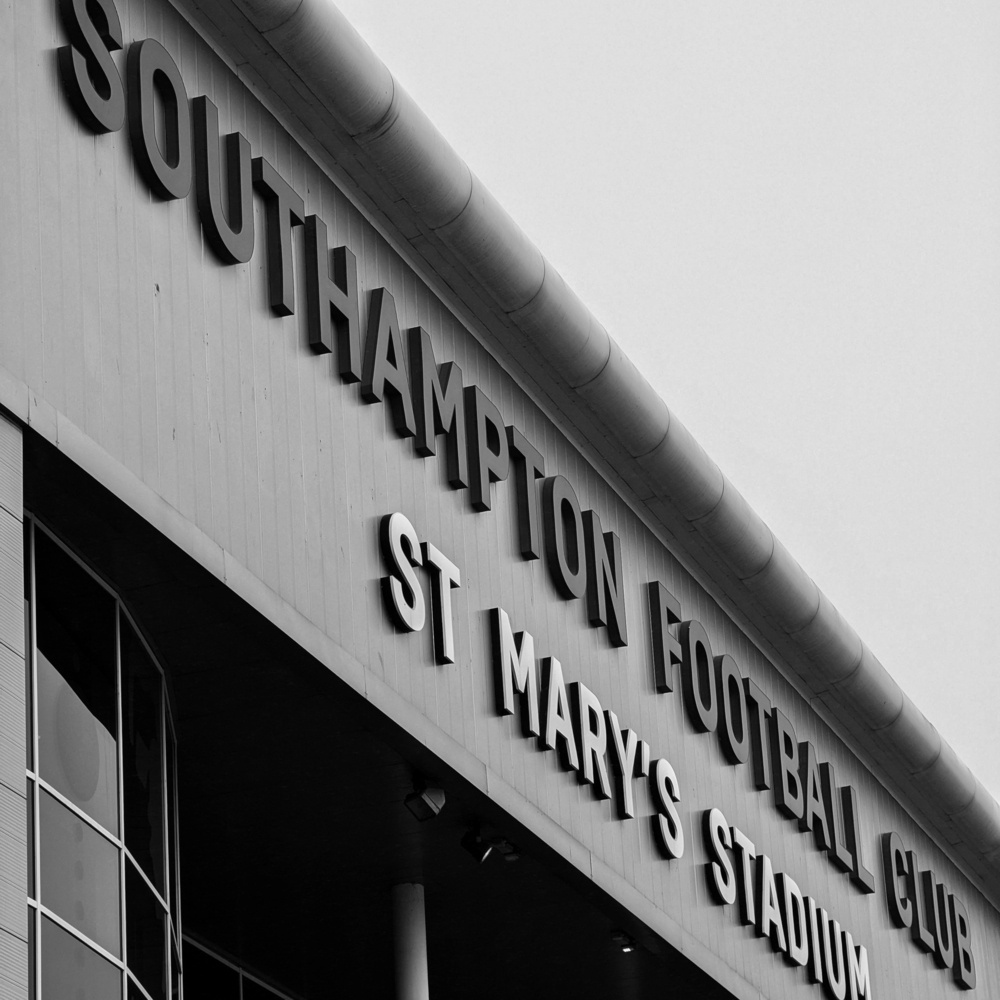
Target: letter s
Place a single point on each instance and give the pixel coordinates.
(667, 821)
(719, 871)
(401, 589)
(90, 77)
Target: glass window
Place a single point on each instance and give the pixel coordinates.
(142, 755)
(147, 935)
(31, 953)
(79, 874)
(254, 991)
(76, 664)
(175, 972)
(133, 992)
(175, 876)
(206, 978)
(72, 971)
(100, 791)
(30, 810)
(29, 739)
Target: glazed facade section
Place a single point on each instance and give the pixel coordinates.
(252, 366)
(102, 875)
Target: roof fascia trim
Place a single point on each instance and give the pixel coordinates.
(555, 329)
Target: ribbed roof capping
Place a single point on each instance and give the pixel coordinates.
(334, 73)
(554, 319)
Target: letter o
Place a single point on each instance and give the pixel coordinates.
(151, 69)
(698, 675)
(564, 541)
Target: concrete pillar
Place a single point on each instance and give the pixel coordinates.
(409, 931)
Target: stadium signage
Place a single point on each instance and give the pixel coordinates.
(566, 717)
(176, 147)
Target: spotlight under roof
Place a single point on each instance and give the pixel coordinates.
(623, 941)
(479, 848)
(425, 802)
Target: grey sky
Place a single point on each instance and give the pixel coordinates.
(789, 216)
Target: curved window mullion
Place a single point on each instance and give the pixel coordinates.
(75, 932)
(101, 771)
(160, 898)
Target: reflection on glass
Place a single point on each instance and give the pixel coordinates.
(79, 874)
(76, 753)
(77, 708)
(206, 978)
(147, 935)
(72, 971)
(142, 775)
(101, 748)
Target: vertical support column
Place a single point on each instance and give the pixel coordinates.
(409, 932)
(13, 817)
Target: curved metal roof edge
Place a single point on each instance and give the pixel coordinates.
(350, 82)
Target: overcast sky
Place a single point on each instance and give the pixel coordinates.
(789, 216)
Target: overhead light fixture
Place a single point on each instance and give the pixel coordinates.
(425, 802)
(623, 941)
(506, 849)
(474, 843)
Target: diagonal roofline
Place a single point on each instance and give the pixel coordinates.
(321, 68)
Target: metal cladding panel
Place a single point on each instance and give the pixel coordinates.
(168, 376)
(13, 825)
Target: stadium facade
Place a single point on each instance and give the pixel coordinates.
(368, 623)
